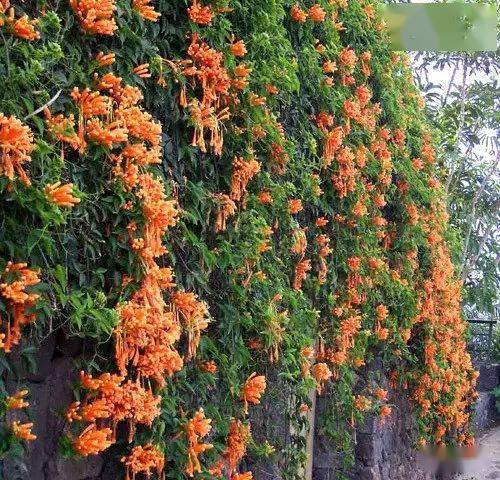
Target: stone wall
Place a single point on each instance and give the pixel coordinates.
(383, 451)
(50, 392)
(485, 412)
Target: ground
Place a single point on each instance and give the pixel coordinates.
(486, 465)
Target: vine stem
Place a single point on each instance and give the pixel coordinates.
(48, 104)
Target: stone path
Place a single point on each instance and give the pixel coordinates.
(486, 465)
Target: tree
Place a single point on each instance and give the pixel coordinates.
(461, 94)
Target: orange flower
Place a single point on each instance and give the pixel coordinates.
(304, 408)
(365, 59)
(321, 222)
(280, 157)
(73, 412)
(253, 389)
(239, 435)
(297, 14)
(256, 101)
(417, 163)
(299, 241)
(145, 10)
(316, 13)
(209, 367)
(142, 70)
(381, 332)
(359, 209)
(242, 476)
(124, 95)
(258, 132)
(385, 411)
(17, 279)
(361, 403)
(382, 312)
(213, 78)
(329, 67)
(333, 141)
(320, 48)
(92, 440)
(105, 59)
(195, 316)
(106, 134)
(61, 195)
(196, 428)
(347, 57)
(200, 15)
(63, 128)
(16, 144)
(16, 401)
(322, 374)
(295, 206)
(4, 6)
(405, 335)
(363, 94)
(94, 410)
(227, 208)
(323, 243)
(265, 197)
(379, 221)
(301, 270)
(369, 11)
(91, 103)
(25, 28)
(238, 49)
(358, 362)
(381, 394)
(354, 263)
(22, 430)
(95, 16)
(243, 172)
(272, 89)
(144, 459)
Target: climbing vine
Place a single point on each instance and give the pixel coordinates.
(216, 194)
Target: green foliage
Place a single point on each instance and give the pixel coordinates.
(83, 252)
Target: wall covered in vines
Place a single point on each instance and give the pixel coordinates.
(212, 195)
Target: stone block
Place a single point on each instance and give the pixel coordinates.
(489, 378)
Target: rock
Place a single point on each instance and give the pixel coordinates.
(489, 378)
(62, 469)
(383, 451)
(48, 397)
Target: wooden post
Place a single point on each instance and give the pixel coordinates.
(310, 437)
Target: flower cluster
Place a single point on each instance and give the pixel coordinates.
(196, 429)
(145, 10)
(144, 459)
(446, 369)
(17, 401)
(16, 281)
(61, 195)
(253, 389)
(23, 27)
(316, 13)
(96, 16)
(16, 145)
(149, 327)
(206, 68)
(202, 15)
